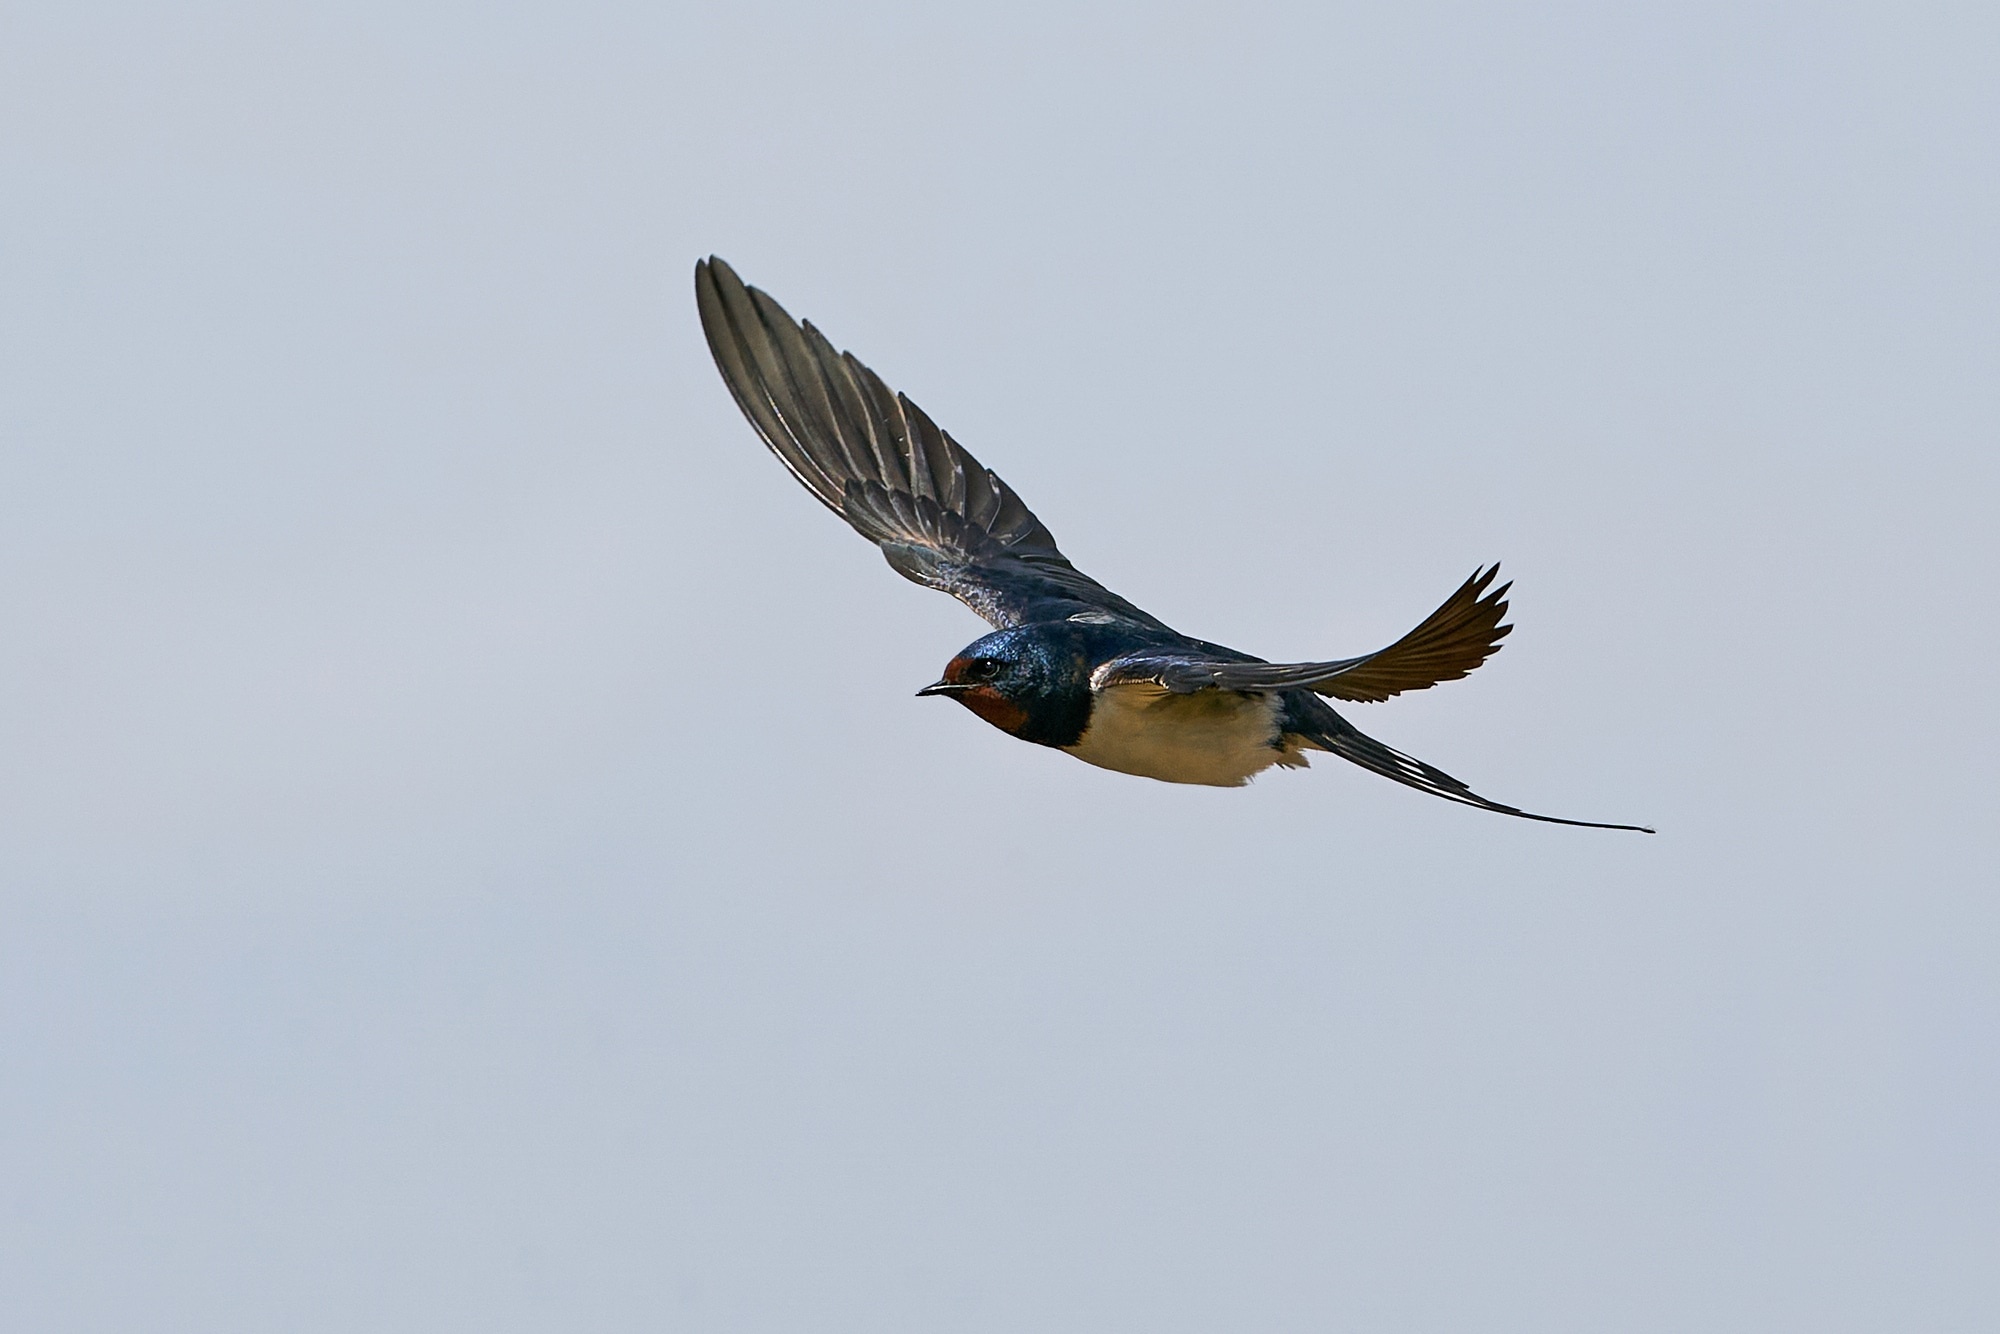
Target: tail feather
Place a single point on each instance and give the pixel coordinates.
(1314, 723)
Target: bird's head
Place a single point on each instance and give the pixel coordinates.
(1028, 685)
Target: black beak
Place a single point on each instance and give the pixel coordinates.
(943, 688)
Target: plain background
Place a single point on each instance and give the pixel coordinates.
(470, 858)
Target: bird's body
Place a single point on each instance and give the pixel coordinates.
(1070, 665)
(1059, 696)
(1218, 738)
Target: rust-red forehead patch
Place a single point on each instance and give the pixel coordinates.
(993, 706)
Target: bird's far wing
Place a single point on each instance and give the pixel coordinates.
(1453, 640)
(873, 457)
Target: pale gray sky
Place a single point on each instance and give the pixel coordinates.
(470, 858)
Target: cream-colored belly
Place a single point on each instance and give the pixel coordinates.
(1216, 737)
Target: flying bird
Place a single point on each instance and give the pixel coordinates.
(1070, 664)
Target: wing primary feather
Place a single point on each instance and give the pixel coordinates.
(726, 341)
(872, 449)
(744, 354)
(885, 409)
(802, 377)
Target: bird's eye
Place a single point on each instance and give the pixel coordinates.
(983, 669)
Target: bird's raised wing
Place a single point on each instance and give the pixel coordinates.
(874, 458)
(1453, 640)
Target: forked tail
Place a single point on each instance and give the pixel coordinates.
(1318, 725)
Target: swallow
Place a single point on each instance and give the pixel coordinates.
(1070, 664)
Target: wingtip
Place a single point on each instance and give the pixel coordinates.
(714, 273)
